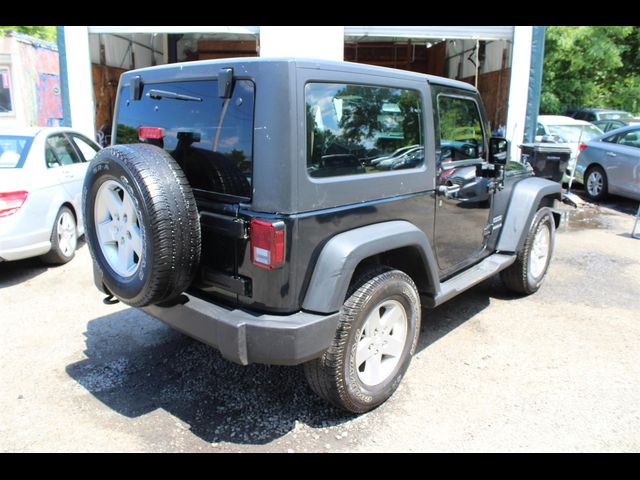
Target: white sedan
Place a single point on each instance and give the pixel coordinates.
(42, 170)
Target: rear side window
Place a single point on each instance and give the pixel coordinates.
(211, 138)
(359, 129)
(87, 148)
(59, 152)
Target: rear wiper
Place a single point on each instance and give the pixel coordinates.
(158, 94)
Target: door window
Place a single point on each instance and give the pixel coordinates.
(59, 152)
(630, 139)
(461, 133)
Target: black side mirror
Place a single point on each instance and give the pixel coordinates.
(498, 150)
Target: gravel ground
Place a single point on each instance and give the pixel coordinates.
(556, 371)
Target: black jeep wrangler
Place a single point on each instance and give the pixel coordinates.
(290, 211)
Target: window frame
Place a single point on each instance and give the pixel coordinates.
(438, 135)
(353, 176)
(72, 138)
(73, 148)
(12, 112)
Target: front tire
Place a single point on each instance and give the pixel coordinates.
(375, 340)
(527, 273)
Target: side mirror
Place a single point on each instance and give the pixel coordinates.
(498, 150)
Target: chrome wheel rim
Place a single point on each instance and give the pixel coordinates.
(381, 342)
(118, 228)
(595, 183)
(66, 233)
(540, 251)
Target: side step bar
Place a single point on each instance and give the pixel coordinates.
(467, 279)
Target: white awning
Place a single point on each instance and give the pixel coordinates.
(174, 29)
(438, 32)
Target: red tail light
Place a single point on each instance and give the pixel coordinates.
(11, 202)
(267, 243)
(150, 133)
(582, 147)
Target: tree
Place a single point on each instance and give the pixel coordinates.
(45, 33)
(591, 67)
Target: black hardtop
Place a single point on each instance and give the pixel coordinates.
(279, 136)
(251, 66)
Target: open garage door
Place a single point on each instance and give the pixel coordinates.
(114, 50)
(478, 55)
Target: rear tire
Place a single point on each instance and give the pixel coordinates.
(376, 337)
(527, 273)
(595, 183)
(142, 223)
(64, 238)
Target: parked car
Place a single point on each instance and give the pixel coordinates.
(608, 125)
(594, 114)
(409, 159)
(566, 131)
(314, 264)
(611, 164)
(41, 176)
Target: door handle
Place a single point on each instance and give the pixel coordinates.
(448, 191)
(611, 154)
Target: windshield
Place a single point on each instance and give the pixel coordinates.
(615, 116)
(13, 150)
(574, 133)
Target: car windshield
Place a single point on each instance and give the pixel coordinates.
(615, 116)
(13, 150)
(574, 133)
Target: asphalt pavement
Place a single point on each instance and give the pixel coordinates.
(555, 371)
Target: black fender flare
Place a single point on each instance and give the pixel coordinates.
(341, 255)
(523, 204)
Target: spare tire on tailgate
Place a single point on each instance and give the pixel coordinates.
(141, 223)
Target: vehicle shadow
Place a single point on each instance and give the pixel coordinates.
(438, 322)
(19, 271)
(136, 365)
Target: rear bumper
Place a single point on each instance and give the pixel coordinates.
(9, 252)
(247, 337)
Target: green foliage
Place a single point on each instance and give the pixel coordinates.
(44, 33)
(591, 67)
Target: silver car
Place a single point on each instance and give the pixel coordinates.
(41, 175)
(611, 164)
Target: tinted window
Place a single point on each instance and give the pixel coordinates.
(574, 133)
(357, 129)
(630, 139)
(461, 135)
(210, 137)
(540, 129)
(87, 148)
(615, 115)
(59, 152)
